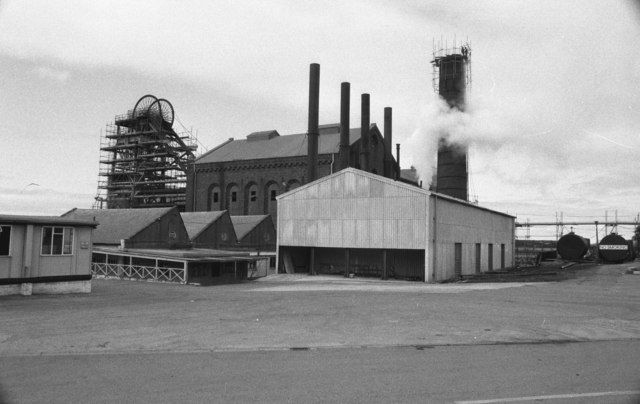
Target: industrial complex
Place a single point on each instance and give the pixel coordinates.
(331, 200)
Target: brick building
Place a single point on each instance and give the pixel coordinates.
(245, 176)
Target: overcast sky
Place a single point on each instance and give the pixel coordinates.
(553, 122)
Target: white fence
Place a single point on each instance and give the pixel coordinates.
(123, 271)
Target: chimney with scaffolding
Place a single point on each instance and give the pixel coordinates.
(451, 74)
(143, 161)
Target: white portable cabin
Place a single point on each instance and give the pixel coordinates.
(45, 254)
(361, 223)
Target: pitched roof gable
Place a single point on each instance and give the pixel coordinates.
(117, 224)
(197, 222)
(244, 224)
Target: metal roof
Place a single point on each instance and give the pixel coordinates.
(197, 222)
(118, 224)
(45, 220)
(244, 224)
(351, 170)
(269, 144)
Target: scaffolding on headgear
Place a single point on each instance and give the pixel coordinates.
(143, 161)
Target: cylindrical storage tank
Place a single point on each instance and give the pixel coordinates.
(572, 247)
(613, 248)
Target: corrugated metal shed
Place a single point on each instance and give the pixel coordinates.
(366, 217)
(354, 209)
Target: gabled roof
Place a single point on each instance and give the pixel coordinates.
(412, 188)
(118, 224)
(269, 144)
(197, 222)
(244, 224)
(45, 220)
(356, 172)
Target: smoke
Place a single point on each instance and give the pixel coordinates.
(480, 126)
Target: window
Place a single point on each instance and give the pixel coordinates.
(234, 196)
(273, 195)
(57, 240)
(216, 197)
(253, 195)
(5, 240)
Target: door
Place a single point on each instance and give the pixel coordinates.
(478, 257)
(490, 258)
(458, 260)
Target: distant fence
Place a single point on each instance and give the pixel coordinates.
(122, 271)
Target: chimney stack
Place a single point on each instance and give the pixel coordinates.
(398, 157)
(364, 133)
(388, 142)
(312, 131)
(345, 95)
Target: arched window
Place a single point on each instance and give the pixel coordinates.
(215, 197)
(251, 203)
(233, 201)
(271, 190)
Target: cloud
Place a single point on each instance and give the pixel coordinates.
(40, 201)
(45, 72)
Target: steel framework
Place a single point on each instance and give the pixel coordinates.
(143, 161)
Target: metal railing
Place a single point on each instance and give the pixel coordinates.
(135, 272)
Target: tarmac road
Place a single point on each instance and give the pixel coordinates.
(149, 342)
(578, 372)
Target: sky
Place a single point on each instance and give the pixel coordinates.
(552, 120)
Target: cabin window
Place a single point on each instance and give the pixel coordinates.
(5, 240)
(57, 240)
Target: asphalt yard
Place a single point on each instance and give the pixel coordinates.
(285, 311)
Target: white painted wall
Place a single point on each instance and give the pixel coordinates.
(352, 210)
(466, 224)
(25, 259)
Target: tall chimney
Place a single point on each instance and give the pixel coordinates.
(398, 157)
(388, 142)
(345, 95)
(364, 133)
(312, 131)
(452, 177)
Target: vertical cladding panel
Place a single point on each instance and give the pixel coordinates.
(377, 188)
(391, 233)
(350, 185)
(299, 232)
(337, 186)
(361, 208)
(349, 233)
(324, 233)
(362, 233)
(312, 232)
(324, 190)
(338, 209)
(336, 237)
(376, 209)
(362, 186)
(419, 234)
(376, 233)
(405, 232)
(284, 208)
(286, 231)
